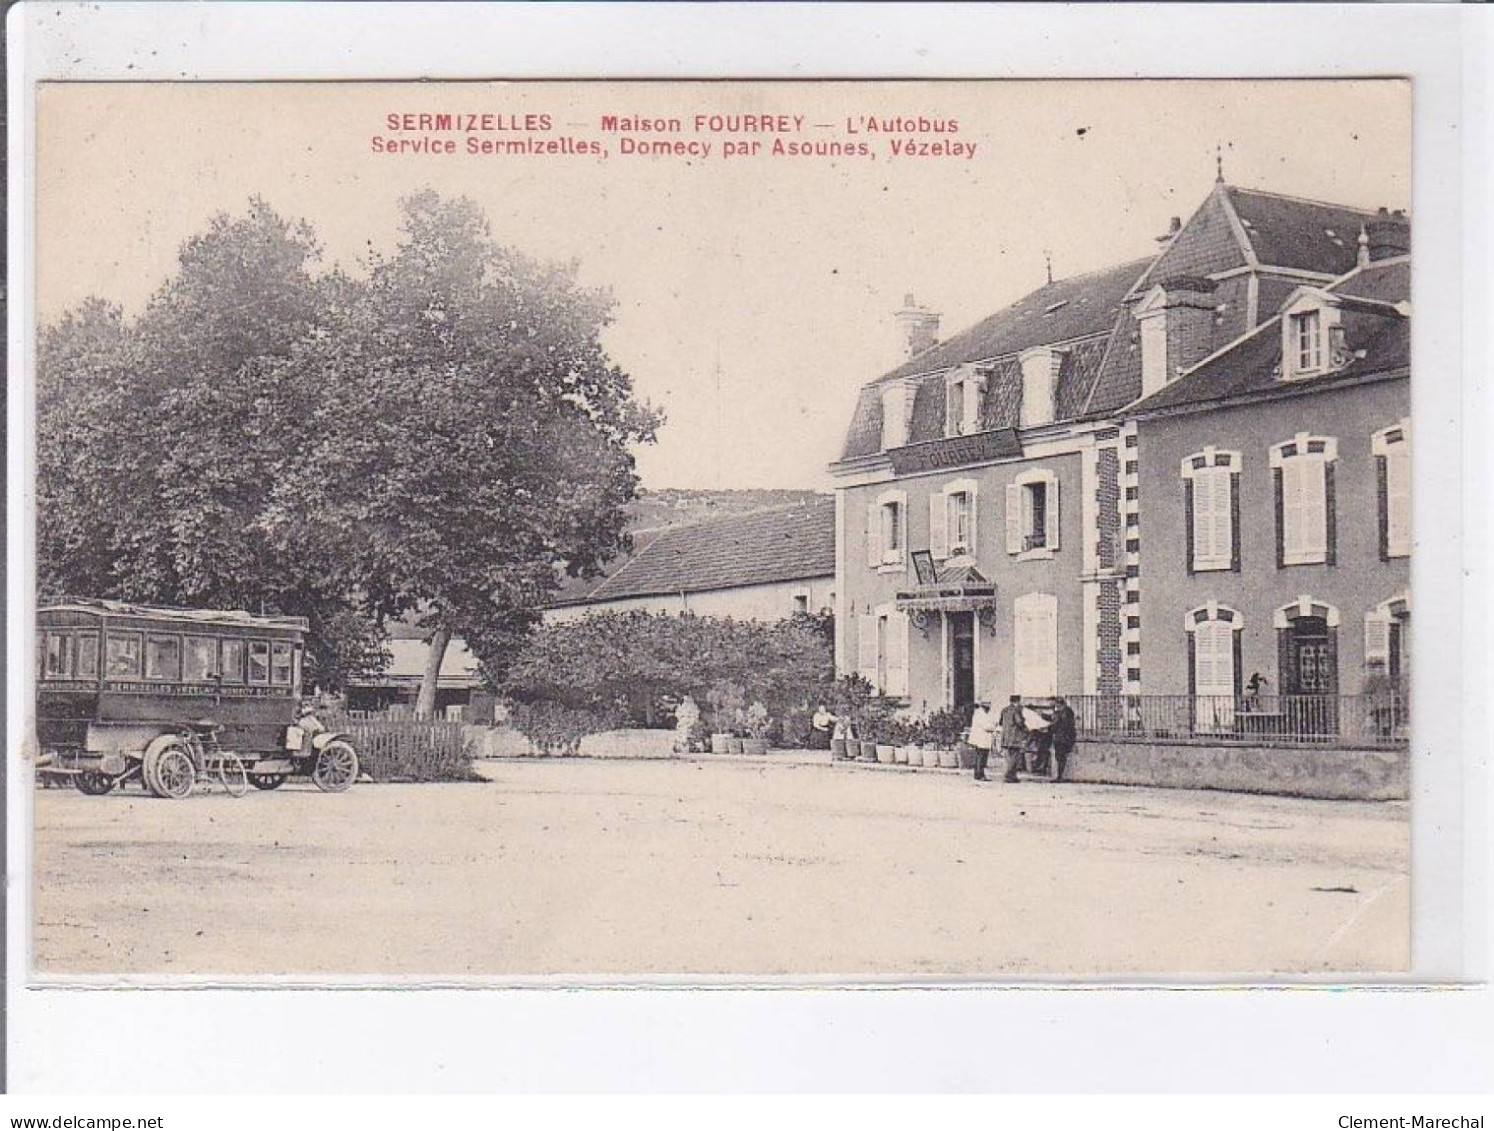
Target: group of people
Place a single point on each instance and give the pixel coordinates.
(1029, 738)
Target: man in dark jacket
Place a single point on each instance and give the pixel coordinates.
(1013, 736)
(1062, 731)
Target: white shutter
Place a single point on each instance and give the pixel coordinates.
(1315, 507)
(938, 531)
(972, 502)
(1211, 518)
(971, 389)
(1035, 654)
(1214, 675)
(902, 533)
(897, 654)
(1013, 519)
(1398, 501)
(873, 534)
(1377, 640)
(1293, 535)
(866, 648)
(1050, 529)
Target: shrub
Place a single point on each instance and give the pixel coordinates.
(728, 701)
(554, 728)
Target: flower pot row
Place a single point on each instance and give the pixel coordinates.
(731, 744)
(926, 757)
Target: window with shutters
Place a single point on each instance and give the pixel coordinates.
(1032, 515)
(1211, 510)
(1392, 450)
(952, 520)
(882, 652)
(896, 406)
(887, 532)
(1302, 472)
(1307, 340)
(962, 403)
(1387, 639)
(1035, 645)
(1213, 666)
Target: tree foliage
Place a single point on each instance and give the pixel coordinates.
(441, 437)
(625, 663)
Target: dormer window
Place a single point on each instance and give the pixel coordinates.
(1307, 334)
(897, 407)
(1039, 381)
(1312, 336)
(962, 403)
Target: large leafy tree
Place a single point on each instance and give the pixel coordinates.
(472, 437)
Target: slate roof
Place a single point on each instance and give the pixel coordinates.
(1286, 231)
(1081, 310)
(1253, 366)
(778, 544)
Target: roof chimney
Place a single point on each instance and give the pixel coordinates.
(1174, 226)
(1177, 328)
(1388, 234)
(917, 326)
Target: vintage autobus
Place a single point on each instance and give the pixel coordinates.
(173, 696)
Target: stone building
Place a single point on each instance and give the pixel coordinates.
(1011, 506)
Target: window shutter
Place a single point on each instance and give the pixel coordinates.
(1214, 645)
(1280, 491)
(1013, 519)
(1050, 519)
(1190, 544)
(866, 653)
(938, 531)
(1330, 515)
(1382, 494)
(902, 533)
(1292, 492)
(1234, 521)
(1377, 640)
(873, 534)
(972, 497)
(1398, 501)
(971, 421)
(1219, 531)
(897, 654)
(953, 392)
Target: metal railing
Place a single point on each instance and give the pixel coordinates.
(1378, 720)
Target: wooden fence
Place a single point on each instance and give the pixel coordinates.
(411, 748)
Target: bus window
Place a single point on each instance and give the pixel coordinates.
(163, 657)
(58, 654)
(88, 656)
(199, 658)
(259, 661)
(122, 656)
(280, 664)
(233, 661)
(296, 671)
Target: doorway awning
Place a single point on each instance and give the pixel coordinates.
(961, 590)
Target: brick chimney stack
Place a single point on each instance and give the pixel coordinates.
(917, 326)
(1177, 329)
(1389, 234)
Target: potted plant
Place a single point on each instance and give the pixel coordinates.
(910, 753)
(757, 722)
(945, 728)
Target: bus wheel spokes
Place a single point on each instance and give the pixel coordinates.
(172, 773)
(336, 767)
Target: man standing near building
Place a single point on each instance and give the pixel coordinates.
(1013, 737)
(1062, 731)
(981, 735)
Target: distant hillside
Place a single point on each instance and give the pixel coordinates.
(673, 506)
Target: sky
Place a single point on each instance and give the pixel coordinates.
(754, 291)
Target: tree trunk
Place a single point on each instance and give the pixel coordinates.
(425, 704)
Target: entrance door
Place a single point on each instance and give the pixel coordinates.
(962, 657)
(1309, 677)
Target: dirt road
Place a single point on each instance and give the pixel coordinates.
(608, 867)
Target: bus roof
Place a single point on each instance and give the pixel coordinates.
(236, 618)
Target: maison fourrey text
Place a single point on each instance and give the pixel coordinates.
(705, 134)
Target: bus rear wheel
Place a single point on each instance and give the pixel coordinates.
(336, 767)
(92, 783)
